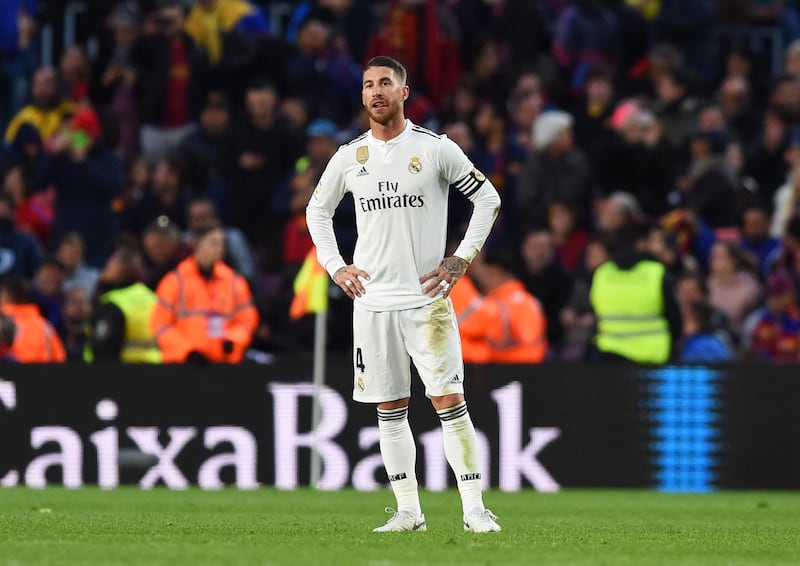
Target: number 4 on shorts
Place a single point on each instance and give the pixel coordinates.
(359, 360)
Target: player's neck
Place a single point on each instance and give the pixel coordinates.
(390, 130)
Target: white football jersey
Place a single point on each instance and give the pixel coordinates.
(400, 188)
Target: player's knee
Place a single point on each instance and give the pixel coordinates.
(447, 401)
(398, 404)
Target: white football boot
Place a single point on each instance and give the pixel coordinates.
(402, 521)
(481, 521)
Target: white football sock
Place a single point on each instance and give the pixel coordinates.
(399, 457)
(461, 449)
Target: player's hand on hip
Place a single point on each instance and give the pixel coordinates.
(442, 279)
(349, 280)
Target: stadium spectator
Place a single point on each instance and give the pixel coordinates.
(756, 239)
(18, 54)
(772, 333)
(513, 321)
(555, 170)
(36, 340)
(709, 186)
(167, 197)
(204, 312)
(19, 251)
(117, 80)
(121, 320)
(545, 279)
(75, 318)
(200, 153)
(169, 68)
(423, 35)
(87, 177)
(70, 253)
(259, 154)
(691, 287)
(736, 104)
(34, 212)
(321, 73)
(74, 71)
(229, 32)
(731, 284)
(163, 250)
(202, 212)
(785, 202)
(633, 298)
(766, 160)
(699, 344)
(47, 109)
(48, 289)
(675, 107)
(569, 236)
(577, 316)
(587, 33)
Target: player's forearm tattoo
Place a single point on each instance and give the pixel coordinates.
(454, 266)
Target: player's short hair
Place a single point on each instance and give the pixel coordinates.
(393, 64)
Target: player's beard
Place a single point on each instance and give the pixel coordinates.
(392, 109)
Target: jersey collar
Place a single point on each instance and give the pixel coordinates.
(397, 139)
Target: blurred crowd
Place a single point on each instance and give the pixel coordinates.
(166, 169)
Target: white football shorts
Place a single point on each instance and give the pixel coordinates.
(384, 344)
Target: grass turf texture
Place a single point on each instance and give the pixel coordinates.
(131, 526)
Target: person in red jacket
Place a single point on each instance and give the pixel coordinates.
(35, 339)
(205, 311)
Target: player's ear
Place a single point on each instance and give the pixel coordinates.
(405, 93)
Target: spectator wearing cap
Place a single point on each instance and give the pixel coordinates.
(320, 147)
(169, 69)
(47, 110)
(200, 152)
(772, 333)
(87, 177)
(555, 170)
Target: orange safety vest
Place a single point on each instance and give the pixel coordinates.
(518, 333)
(35, 341)
(471, 313)
(195, 313)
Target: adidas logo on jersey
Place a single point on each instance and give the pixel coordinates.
(363, 171)
(455, 379)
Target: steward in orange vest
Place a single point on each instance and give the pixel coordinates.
(514, 324)
(205, 311)
(35, 340)
(470, 310)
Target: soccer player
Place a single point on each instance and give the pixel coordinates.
(400, 175)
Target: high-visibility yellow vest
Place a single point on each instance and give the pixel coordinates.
(136, 303)
(629, 305)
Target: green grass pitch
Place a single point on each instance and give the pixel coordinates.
(266, 526)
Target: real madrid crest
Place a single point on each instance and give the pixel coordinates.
(414, 166)
(362, 154)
